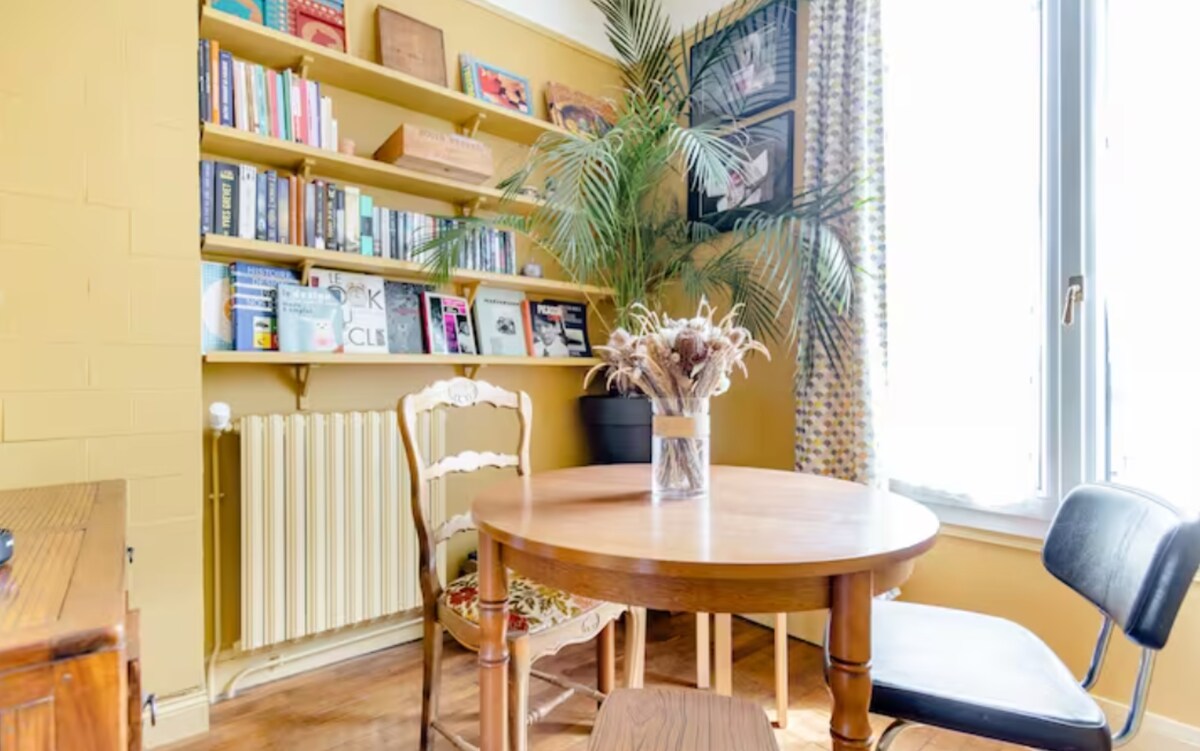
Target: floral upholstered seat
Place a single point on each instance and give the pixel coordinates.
(532, 607)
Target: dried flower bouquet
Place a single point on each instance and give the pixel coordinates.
(680, 364)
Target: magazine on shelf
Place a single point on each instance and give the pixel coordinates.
(557, 329)
(310, 320)
(500, 321)
(364, 311)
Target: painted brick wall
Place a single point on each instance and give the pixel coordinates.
(99, 364)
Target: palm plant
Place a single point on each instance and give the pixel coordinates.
(613, 215)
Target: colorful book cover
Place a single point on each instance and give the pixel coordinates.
(460, 334)
(225, 221)
(216, 315)
(548, 328)
(226, 88)
(403, 301)
(251, 10)
(207, 199)
(364, 308)
(366, 233)
(499, 321)
(574, 326)
(276, 15)
(283, 222)
(254, 292)
(310, 320)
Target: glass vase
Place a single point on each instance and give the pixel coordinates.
(680, 448)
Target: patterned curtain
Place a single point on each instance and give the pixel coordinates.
(837, 409)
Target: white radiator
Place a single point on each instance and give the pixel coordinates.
(327, 533)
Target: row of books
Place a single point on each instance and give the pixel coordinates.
(239, 200)
(257, 99)
(255, 308)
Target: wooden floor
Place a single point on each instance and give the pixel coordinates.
(374, 702)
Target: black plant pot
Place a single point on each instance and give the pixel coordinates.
(618, 428)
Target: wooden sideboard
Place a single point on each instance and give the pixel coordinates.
(69, 672)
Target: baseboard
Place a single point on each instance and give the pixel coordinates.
(179, 716)
(239, 671)
(1158, 733)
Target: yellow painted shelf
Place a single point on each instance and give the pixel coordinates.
(222, 140)
(278, 50)
(222, 248)
(330, 358)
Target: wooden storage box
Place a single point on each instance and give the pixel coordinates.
(446, 154)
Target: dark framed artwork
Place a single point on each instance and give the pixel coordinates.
(766, 187)
(748, 68)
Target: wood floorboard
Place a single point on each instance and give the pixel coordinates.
(374, 702)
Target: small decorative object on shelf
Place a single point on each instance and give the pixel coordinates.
(436, 153)
(346, 146)
(410, 46)
(495, 85)
(680, 364)
(532, 269)
(578, 112)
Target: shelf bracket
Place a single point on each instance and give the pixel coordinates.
(306, 272)
(303, 374)
(304, 168)
(471, 127)
(301, 66)
(470, 208)
(469, 371)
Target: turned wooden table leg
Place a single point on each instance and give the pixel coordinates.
(850, 662)
(606, 659)
(493, 648)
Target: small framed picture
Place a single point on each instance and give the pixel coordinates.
(579, 113)
(767, 184)
(747, 69)
(495, 85)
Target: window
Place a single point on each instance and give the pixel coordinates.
(1029, 144)
(965, 286)
(1148, 156)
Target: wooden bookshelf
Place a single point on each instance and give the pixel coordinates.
(222, 248)
(332, 358)
(224, 141)
(278, 50)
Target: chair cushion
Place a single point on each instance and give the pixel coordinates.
(979, 675)
(532, 607)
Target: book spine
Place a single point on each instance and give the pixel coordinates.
(285, 96)
(527, 319)
(239, 94)
(283, 210)
(272, 180)
(272, 110)
(202, 79)
(264, 110)
(333, 132)
(214, 82)
(294, 229)
(327, 123)
(381, 232)
(341, 220)
(225, 222)
(380, 248)
(466, 69)
(302, 93)
(296, 112)
(353, 195)
(207, 210)
(312, 238)
(366, 231)
(260, 206)
(314, 115)
(330, 216)
(394, 228)
(226, 88)
(247, 200)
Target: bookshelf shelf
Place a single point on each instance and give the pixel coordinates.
(222, 140)
(278, 50)
(330, 358)
(223, 248)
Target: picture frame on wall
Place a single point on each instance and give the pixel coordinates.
(768, 185)
(748, 68)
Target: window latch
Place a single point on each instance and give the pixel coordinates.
(1074, 297)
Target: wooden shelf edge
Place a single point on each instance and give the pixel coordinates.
(223, 140)
(276, 49)
(221, 247)
(328, 358)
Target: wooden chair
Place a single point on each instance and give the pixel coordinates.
(541, 620)
(636, 720)
(722, 630)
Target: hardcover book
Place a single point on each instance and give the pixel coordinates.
(499, 321)
(247, 201)
(404, 317)
(272, 186)
(251, 10)
(364, 311)
(225, 222)
(260, 206)
(226, 91)
(207, 198)
(353, 219)
(366, 232)
(254, 291)
(283, 220)
(558, 329)
(216, 315)
(447, 321)
(310, 320)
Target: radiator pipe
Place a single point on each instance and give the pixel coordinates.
(219, 421)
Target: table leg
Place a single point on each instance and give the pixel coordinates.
(493, 647)
(723, 653)
(703, 650)
(781, 671)
(850, 662)
(606, 659)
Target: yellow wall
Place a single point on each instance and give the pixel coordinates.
(557, 435)
(99, 373)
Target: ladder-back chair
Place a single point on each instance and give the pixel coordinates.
(541, 620)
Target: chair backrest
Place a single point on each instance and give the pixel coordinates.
(1131, 554)
(457, 393)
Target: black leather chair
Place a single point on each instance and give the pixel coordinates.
(1129, 553)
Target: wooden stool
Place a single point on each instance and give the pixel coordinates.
(641, 719)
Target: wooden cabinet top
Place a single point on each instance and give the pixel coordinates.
(63, 592)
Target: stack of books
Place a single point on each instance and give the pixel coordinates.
(259, 100)
(240, 200)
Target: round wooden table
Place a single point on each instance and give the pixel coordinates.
(762, 541)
